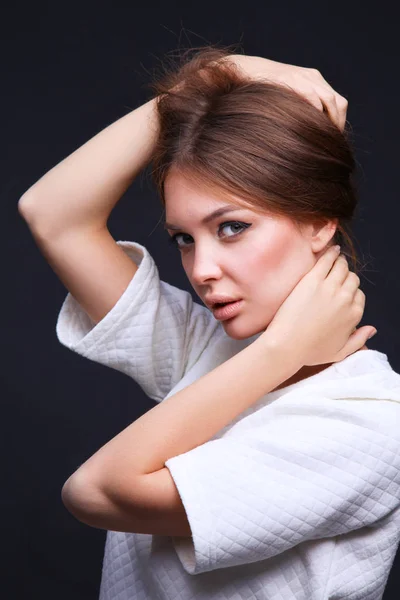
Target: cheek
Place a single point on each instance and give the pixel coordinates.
(275, 256)
(278, 269)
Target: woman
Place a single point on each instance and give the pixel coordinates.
(274, 446)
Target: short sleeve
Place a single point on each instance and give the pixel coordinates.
(154, 333)
(295, 477)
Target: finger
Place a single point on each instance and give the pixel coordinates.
(325, 83)
(328, 99)
(342, 105)
(352, 284)
(324, 264)
(360, 298)
(309, 94)
(357, 307)
(340, 271)
(356, 341)
(341, 102)
(322, 78)
(316, 101)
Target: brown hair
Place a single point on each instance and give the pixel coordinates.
(256, 140)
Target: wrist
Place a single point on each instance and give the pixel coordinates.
(282, 355)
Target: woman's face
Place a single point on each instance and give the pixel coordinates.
(257, 257)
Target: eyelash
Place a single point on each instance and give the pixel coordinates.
(173, 239)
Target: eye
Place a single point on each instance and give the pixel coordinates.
(242, 226)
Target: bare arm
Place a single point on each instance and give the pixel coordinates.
(125, 486)
(190, 417)
(68, 208)
(91, 265)
(83, 188)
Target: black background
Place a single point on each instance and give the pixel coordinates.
(68, 71)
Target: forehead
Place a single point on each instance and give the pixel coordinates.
(186, 197)
(178, 186)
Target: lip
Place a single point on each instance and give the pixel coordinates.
(227, 312)
(212, 300)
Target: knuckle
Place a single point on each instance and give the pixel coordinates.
(329, 93)
(361, 304)
(361, 296)
(347, 296)
(359, 310)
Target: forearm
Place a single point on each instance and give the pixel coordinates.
(190, 417)
(84, 187)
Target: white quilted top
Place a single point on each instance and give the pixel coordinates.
(296, 499)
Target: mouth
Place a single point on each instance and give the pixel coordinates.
(227, 310)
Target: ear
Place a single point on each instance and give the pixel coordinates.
(320, 233)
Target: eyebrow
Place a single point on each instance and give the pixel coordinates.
(217, 213)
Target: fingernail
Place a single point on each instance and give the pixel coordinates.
(372, 334)
(337, 248)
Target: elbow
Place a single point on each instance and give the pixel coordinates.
(23, 207)
(77, 498)
(40, 225)
(72, 497)
(84, 501)
(66, 496)
(27, 209)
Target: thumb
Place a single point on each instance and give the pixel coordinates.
(357, 340)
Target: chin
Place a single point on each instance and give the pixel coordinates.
(237, 332)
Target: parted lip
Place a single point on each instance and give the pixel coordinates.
(212, 300)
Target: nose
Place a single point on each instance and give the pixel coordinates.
(205, 265)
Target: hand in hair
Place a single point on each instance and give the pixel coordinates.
(316, 323)
(306, 81)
